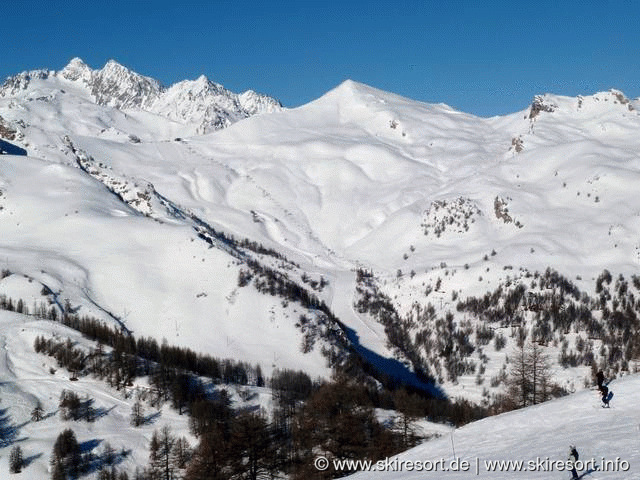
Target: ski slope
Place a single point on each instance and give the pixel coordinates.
(540, 434)
(64, 230)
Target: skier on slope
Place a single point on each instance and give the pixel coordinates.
(573, 458)
(604, 390)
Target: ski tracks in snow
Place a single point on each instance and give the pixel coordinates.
(286, 213)
(9, 384)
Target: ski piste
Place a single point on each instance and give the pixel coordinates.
(543, 430)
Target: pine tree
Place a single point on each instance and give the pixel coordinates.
(112, 474)
(58, 472)
(259, 377)
(519, 381)
(154, 455)
(107, 474)
(410, 408)
(211, 460)
(530, 377)
(141, 474)
(180, 454)
(16, 461)
(208, 414)
(540, 374)
(137, 414)
(108, 454)
(89, 411)
(252, 445)
(70, 405)
(37, 414)
(160, 465)
(66, 452)
(180, 387)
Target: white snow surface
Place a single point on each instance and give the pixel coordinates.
(541, 435)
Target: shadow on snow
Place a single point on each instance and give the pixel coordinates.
(394, 370)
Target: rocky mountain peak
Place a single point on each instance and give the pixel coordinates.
(254, 103)
(203, 102)
(210, 104)
(77, 70)
(21, 81)
(117, 86)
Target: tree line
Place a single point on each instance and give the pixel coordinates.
(334, 417)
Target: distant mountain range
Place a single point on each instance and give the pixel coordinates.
(202, 102)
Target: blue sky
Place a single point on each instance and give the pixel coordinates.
(482, 57)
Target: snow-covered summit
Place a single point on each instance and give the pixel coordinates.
(117, 86)
(206, 103)
(77, 70)
(254, 103)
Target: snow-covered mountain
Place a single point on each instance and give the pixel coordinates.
(363, 231)
(206, 104)
(396, 216)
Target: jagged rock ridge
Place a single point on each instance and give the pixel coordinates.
(207, 104)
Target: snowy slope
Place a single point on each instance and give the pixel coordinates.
(538, 434)
(27, 377)
(358, 178)
(86, 245)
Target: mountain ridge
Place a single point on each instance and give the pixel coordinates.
(206, 103)
(439, 205)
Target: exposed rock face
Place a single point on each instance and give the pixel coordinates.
(539, 105)
(6, 130)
